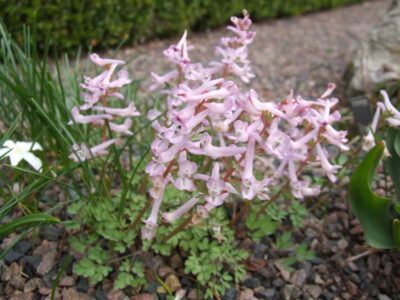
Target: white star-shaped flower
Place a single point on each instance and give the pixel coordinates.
(18, 151)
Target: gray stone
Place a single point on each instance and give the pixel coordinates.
(100, 294)
(52, 233)
(12, 256)
(318, 261)
(290, 291)
(328, 295)
(252, 282)
(370, 287)
(230, 294)
(23, 246)
(145, 296)
(306, 266)
(48, 262)
(299, 278)
(33, 261)
(378, 58)
(82, 285)
(355, 278)
(278, 283)
(49, 277)
(267, 294)
(258, 250)
(383, 297)
(314, 290)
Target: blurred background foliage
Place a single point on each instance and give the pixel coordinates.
(105, 23)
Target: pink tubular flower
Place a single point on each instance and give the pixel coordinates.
(102, 62)
(95, 119)
(173, 216)
(155, 169)
(186, 171)
(129, 111)
(369, 139)
(162, 80)
(234, 51)
(157, 193)
(218, 189)
(326, 165)
(206, 148)
(394, 118)
(179, 54)
(122, 128)
(99, 89)
(301, 189)
(218, 128)
(171, 152)
(82, 152)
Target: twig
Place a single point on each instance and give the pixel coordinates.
(178, 229)
(361, 255)
(140, 215)
(123, 257)
(241, 212)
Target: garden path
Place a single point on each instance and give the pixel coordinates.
(304, 53)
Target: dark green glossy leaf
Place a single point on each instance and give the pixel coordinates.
(396, 144)
(393, 162)
(396, 233)
(371, 210)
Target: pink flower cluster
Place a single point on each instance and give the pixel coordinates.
(99, 90)
(210, 116)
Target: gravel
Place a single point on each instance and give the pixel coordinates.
(302, 53)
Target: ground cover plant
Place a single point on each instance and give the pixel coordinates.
(200, 162)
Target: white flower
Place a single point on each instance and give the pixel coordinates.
(22, 151)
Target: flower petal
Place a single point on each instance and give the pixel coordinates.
(9, 144)
(15, 158)
(37, 146)
(3, 152)
(33, 160)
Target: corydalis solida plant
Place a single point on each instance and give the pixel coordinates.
(212, 117)
(101, 89)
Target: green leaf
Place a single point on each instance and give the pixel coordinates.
(298, 212)
(97, 254)
(138, 269)
(119, 247)
(283, 242)
(27, 222)
(302, 253)
(396, 233)
(396, 144)
(397, 208)
(123, 280)
(371, 210)
(393, 162)
(77, 243)
(260, 227)
(85, 268)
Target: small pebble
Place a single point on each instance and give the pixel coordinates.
(82, 285)
(268, 294)
(251, 282)
(230, 294)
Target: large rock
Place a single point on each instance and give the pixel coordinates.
(378, 58)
